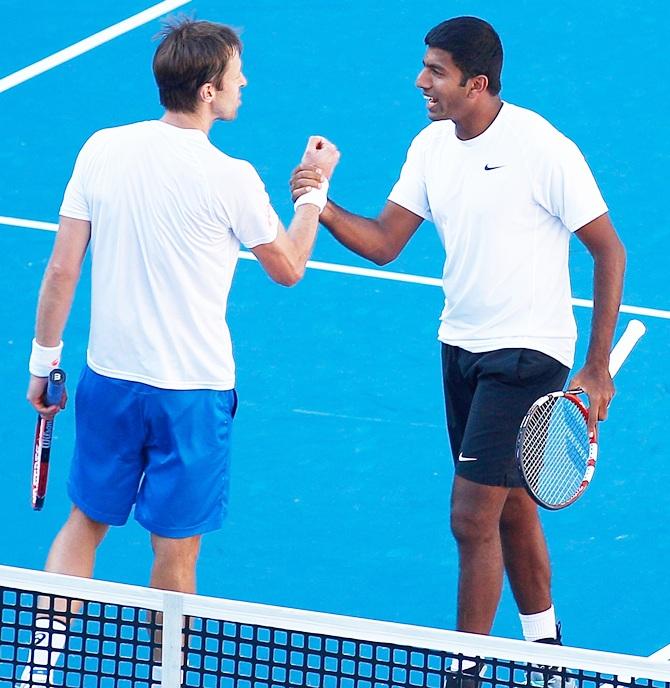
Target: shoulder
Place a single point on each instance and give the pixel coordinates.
(535, 130)
(241, 170)
(242, 181)
(113, 136)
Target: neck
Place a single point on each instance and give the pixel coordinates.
(188, 120)
(479, 119)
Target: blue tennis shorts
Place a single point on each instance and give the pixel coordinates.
(167, 452)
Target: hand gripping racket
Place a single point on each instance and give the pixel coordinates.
(43, 435)
(554, 453)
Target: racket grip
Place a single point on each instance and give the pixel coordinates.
(55, 387)
(625, 345)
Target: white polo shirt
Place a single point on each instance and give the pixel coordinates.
(505, 204)
(168, 211)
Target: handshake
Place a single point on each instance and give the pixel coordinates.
(309, 181)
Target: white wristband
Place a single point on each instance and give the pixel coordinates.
(317, 197)
(43, 359)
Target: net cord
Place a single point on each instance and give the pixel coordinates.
(301, 621)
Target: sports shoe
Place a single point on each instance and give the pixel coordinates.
(463, 673)
(544, 676)
(48, 642)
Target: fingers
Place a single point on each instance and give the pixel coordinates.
(304, 179)
(35, 395)
(321, 152)
(317, 143)
(49, 412)
(598, 410)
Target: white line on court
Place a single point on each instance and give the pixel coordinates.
(367, 419)
(89, 43)
(361, 272)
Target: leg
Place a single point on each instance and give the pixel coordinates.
(174, 563)
(73, 550)
(173, 569)
(525, 553)
(73, 553)
(475, 523)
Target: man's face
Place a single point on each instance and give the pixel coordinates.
(228, 96)
(440, 80)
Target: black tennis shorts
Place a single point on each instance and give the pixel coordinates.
(486, 397)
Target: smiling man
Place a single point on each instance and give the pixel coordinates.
(165, 213)
(506, 191)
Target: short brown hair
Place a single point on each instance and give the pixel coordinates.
(191, 53)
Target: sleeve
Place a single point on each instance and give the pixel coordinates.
(75, 203)
(410, 189)
(566, 188)
(252, 217)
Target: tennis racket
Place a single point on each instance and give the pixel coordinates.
(43, 435)
(554, 453)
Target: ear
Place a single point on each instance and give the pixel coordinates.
(478, 86)
(207, 92)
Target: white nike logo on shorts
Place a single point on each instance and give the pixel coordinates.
(466, 458)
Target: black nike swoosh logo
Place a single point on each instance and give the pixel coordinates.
(495, 167)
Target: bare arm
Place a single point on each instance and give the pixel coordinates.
(609, 256)
(285, 258)
(56, 294)
(379, 240)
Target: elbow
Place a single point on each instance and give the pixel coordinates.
(383, 256)
(290, 277)
(618, 256)
(59, 273)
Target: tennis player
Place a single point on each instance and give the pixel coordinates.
(164, 212)
(505, 191)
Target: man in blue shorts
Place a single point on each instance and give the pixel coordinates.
(164, 212)
(505, 191)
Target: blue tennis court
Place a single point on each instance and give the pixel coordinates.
(341, 469)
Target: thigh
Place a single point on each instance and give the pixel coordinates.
(108, 458)
(458, 394)
(508, 382)
(186, 482)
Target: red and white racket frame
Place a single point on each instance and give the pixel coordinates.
(571, 395)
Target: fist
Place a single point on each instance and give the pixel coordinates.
(321, 153)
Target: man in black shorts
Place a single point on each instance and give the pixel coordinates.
(505, 191)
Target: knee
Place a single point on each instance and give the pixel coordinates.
(85, 526)
(176, 553)
(520, 513)
(470, 526)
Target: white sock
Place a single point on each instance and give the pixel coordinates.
(539, 626)
(48, 642)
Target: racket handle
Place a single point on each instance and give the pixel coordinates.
(625, 345)
(55, 387)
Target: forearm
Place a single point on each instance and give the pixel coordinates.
(55, 301)
(302, 234)
(359, 234)
(608, 275)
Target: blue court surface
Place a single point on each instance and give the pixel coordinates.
(342, 472)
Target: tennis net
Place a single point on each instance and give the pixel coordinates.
(79, 633)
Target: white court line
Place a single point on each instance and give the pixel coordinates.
(361, 272)
(89, 43)
(367, 419)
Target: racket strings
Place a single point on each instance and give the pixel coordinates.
(555, 450)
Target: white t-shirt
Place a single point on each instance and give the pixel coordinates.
(505, 204)
(168, 211)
